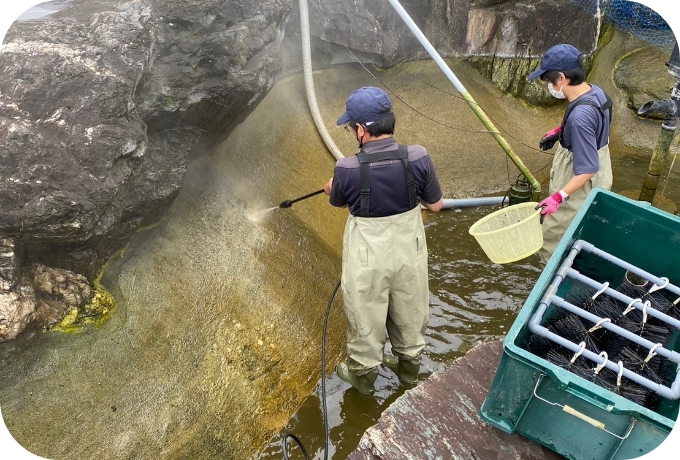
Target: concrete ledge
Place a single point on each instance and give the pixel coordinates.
(439, 419)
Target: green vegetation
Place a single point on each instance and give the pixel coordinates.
(97, 312)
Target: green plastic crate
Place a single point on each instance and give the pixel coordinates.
(529, 394)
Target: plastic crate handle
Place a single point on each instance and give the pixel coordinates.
(570, 410)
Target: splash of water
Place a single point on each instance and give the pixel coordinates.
(259, 216)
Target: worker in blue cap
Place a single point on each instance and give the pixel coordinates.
(582, 159)
(384, 261)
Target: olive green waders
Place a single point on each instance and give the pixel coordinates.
(384, 285)
(562, 171)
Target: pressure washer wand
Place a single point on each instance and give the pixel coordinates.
(289, 203)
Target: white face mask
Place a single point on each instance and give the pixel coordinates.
(558, 94)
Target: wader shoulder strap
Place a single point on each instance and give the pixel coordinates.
(365, 161)
(603, 109)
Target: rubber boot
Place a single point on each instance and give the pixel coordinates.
(361, 383)
(407, 371)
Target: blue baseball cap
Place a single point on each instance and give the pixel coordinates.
(366, 105)
(560, 57)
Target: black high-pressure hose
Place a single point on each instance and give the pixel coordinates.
(323, 387)
(289, 203)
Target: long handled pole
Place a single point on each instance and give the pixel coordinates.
(486, 121)
(289, 203)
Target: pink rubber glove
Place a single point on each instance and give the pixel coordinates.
(548, 140)
(550, 205)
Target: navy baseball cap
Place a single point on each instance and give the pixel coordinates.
(366, 105)
(560, 57)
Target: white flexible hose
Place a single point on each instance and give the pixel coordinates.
(309, 82)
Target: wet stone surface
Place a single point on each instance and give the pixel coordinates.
(440, 418)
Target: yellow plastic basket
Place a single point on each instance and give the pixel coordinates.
(510, 234)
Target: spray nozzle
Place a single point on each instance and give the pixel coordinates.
(286, 204)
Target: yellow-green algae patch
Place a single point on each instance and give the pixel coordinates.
(97, 312)
(102, 306)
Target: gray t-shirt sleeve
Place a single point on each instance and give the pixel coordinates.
(582, 128)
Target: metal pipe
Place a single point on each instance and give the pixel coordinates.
(451, 203)
(671, 393)
(589, 247)
(484, 118)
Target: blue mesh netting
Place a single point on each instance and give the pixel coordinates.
(633, 17)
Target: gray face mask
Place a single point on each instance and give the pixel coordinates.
(557, 94)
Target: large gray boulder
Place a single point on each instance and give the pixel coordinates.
(100, 107)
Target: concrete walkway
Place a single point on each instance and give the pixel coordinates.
(439, 419)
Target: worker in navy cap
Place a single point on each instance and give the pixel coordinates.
(384, 262)
(582, 159)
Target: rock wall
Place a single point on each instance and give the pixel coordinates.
(493, 29)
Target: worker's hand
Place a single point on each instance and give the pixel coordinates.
(329, 185)
(550, 205)
(548, 140)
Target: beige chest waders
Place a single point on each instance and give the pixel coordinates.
(384, 284)
(561, 173)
